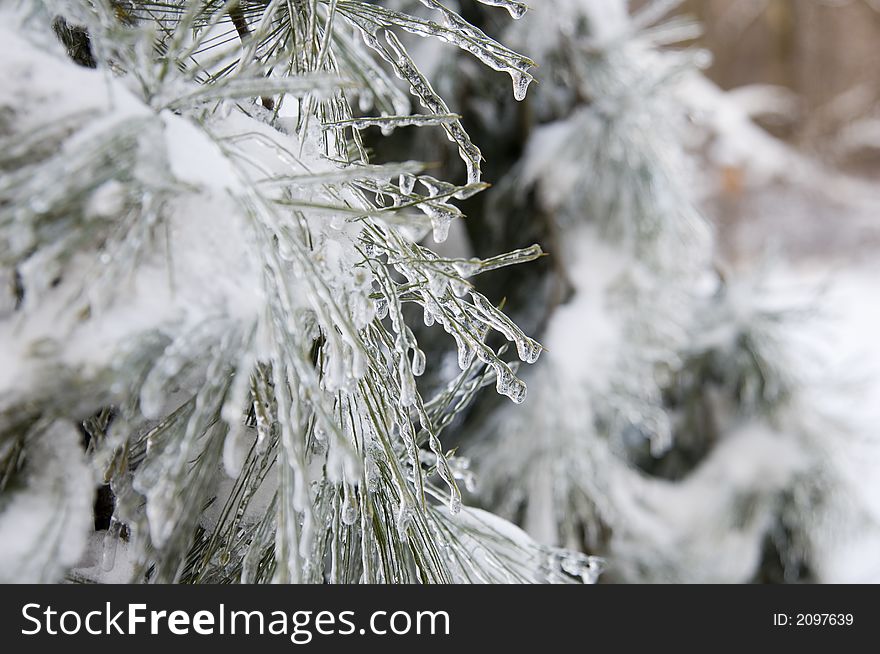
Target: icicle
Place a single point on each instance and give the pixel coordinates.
(441, 218)
(407, 383)
(470, 189)
(387, 124)
(459, 288)
(407, 183)
(509, 385)
(437, 283)
(349, 506)
(521, 83)
(491, 53)
(465, 354)
(436, 187)
(516, 9)
(418, 362)
(381, 308)
(473, 170)
(528, 350)
(443, 468)
(421, 88)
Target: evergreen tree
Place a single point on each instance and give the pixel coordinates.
(248, 334)
(211, 274)
(679, 426)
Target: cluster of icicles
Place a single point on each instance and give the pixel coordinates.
(467, 323)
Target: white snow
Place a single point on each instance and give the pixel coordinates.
(45, 523)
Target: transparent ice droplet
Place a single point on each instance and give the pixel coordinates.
(469, 191)
(435, 186)
(465, 354)
(437, 283)
(440, 223)
(521, 83)
(459, 288)
(407, 384)
(381, 308)
(467, 268)
(473, 172)
(510, 385)
(454, 503)
(349, 507)
(518, 391)
(528, 350)
(349, 514)
(418, 362)
(407, 183)
(502, 380)
(516, 9)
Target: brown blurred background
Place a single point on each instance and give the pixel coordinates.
(826, 51)
(824, 57)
